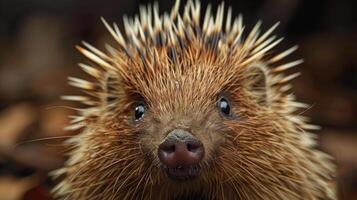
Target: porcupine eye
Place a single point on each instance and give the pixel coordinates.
(224, 107)
(139, 112)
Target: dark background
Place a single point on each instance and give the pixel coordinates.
(37, 39)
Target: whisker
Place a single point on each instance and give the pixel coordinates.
(44, 139)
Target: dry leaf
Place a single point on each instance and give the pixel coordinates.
(13, 123)
(14, 189)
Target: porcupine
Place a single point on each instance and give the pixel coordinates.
(187, 106)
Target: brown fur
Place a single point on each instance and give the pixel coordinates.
(179, 67)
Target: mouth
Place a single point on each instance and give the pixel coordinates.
(183, 173)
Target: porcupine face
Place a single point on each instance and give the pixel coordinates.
(182, 118)
(187, 124)
(186, 106)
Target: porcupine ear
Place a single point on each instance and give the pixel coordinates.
(257, 84)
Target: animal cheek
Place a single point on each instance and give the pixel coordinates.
(150, 138)
(212, 142)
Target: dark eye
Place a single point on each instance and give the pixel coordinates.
(139, 112)
(224, 107)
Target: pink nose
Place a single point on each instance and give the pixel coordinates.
(179, 149)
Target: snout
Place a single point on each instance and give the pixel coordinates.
(180, 153)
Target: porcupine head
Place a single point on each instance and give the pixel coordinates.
(188, 106)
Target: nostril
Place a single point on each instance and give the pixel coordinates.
(192, 147)
(168, 148)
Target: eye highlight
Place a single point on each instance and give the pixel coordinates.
(139, 111)
(224, 107)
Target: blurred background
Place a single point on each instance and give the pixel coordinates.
(37, 39)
